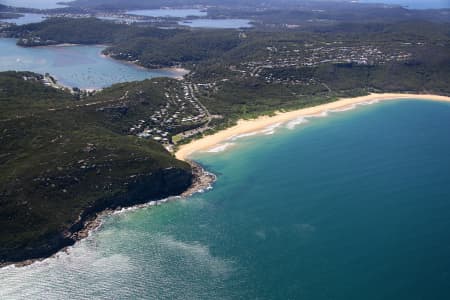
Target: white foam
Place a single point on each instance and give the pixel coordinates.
(220, 148)
(369, 102)
(56, 277)
(270, 129)
(147, 204)
(292, 124)
(319, 115)
(345, 108)
(239, 136)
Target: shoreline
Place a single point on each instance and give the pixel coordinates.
(202, 181)
(174, 72)
(177, 72)
(254, 126)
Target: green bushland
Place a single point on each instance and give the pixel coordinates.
(62, 159)
(62, 165)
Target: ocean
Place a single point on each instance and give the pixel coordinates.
(354, 205)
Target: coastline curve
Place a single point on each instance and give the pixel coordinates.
(247, 127)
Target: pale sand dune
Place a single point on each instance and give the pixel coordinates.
(247, 126)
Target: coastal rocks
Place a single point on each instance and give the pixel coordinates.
(202, 180)
(140, 189)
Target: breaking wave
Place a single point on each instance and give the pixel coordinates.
(294, 123)
(220, 148)
(270, 129)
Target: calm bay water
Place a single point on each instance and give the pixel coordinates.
(40, 4)
(26, 19)
(352, 206)
(186, 13)
(170, 12)
(217, 23)
(76, 66)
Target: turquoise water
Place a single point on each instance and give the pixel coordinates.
(26, 19)
(40, 4)
(171, 12)
(76, 66)
(415, 4)
(217, 23)
(352, 206)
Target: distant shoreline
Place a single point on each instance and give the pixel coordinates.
(174, 72)
(177, 72)
(255, 125)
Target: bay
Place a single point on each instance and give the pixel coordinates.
(26, 18)
(217, 23)
(169, 12)
(76, 66)
(39, 4)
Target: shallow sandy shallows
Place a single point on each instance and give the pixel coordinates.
(251, 126)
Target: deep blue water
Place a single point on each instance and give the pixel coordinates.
(352, 206)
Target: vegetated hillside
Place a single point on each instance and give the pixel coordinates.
(294, 68)
(183, 47)
(256, 71)
(154, 47)
(136, 4)
(61, 157)
(15, 93)
(250, 97)
(62, 161)
(83, 31)
(267, 71)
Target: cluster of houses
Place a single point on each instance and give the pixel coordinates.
(308, 55)
(364, 54)
(182, 110)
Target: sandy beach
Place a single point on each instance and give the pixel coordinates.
(177, 71)
(256, 125)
